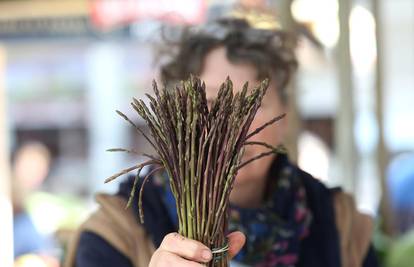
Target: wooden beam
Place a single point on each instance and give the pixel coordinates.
(6, 214)
(382, 151)
(344, 123)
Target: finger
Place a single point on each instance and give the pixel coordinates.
(185, 247)
(236, 242)
(163, 258)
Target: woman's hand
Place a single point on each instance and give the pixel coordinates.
(176, 250)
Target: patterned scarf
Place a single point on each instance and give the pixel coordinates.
(274, 231)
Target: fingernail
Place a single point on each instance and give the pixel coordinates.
(206, 254)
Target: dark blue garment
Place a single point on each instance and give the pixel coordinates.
(94, 251)
(319, 249)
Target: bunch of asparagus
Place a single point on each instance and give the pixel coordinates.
(200, 148)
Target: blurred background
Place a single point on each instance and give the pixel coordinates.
(66, 65)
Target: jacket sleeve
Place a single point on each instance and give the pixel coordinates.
(94, 251)
(371, 259)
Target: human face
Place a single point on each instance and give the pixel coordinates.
(214, 72)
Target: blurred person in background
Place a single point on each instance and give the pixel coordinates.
(279, 215)
(31, 166)
(400, 184)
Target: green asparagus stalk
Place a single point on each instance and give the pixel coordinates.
(200, 148)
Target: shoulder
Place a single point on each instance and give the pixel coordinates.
(355, 231)
(111, 233)
(335, 212)
(100, 237)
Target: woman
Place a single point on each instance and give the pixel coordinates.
(279, 216)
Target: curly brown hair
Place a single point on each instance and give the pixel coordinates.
(271, 52)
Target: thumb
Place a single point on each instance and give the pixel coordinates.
(236, 242)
